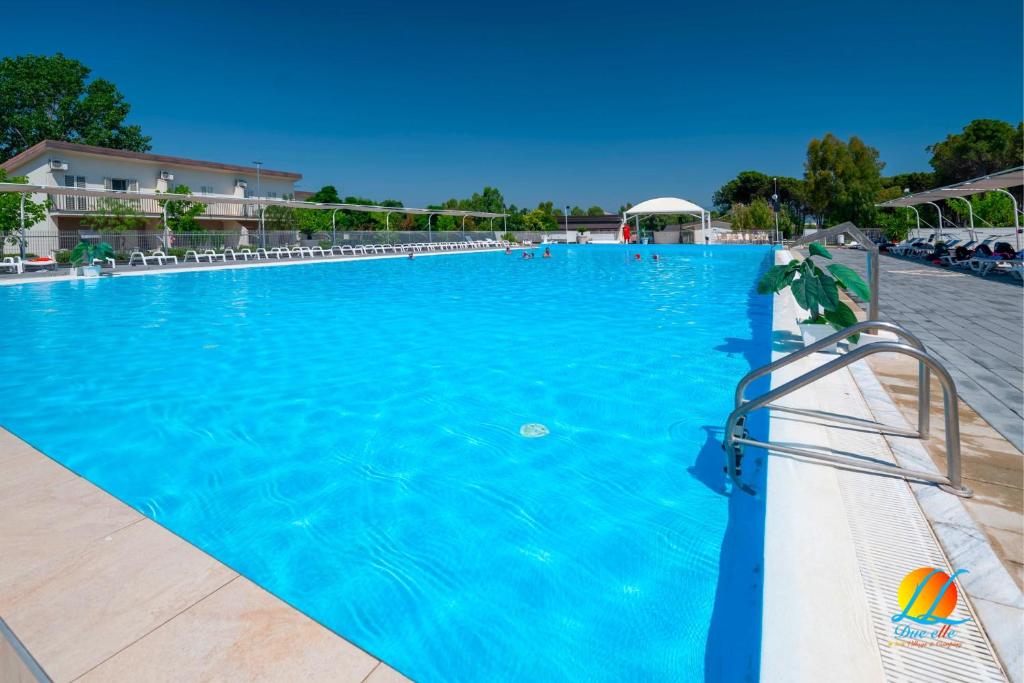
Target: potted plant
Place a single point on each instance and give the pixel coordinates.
(581, 236)
(817, 292)
(85, 252)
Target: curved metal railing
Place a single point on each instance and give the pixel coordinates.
(923, 377)
(736, 436)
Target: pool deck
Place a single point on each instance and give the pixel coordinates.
(971, 343)
(838, 542)
(92, 590)
(972, 324)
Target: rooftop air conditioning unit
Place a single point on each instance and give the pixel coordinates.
(241, 183)
(166, 175)
(58, 165)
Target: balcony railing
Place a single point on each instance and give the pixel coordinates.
(81, 204)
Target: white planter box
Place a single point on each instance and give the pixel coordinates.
(89, 271)
(813, 333)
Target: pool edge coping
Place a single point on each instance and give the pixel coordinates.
(945, 515)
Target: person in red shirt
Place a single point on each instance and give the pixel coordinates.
(626, 233)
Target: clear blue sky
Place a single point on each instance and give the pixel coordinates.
(577, 102)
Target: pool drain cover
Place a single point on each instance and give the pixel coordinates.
(533, 430)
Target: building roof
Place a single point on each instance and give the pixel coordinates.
(47, 146)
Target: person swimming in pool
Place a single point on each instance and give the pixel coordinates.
(527, 255)
(547, 252)
(508, 251)
(655, 258)
(636, 257)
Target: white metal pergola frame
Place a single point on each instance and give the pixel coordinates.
(263, 202)
(994, 182)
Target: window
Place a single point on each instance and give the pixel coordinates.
(121, 184)
(206, 189)
(271, 195)
(71, 202)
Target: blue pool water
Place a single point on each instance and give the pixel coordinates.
(347, 435)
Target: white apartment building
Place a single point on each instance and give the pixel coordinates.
(68, 164)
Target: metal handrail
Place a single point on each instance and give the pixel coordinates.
(923, 377)
(736, 437)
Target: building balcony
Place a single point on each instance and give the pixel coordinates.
(81, 205)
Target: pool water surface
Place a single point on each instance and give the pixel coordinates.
(348, 435)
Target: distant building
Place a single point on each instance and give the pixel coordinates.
(67, 164)
(607, 223)
(684, 232)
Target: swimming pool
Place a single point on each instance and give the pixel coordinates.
(348, 436)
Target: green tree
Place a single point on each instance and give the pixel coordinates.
(761, 215)
(984, 146)
(490, 201)
(10, 211)
(51, 98)
(182, 216)
(327, 194)
(842, 180)
(915, 182)
(577, 211)
(739, 217)
(896, 224)
(595, 211)
(115, 215)
(749, 185)
(539, 219)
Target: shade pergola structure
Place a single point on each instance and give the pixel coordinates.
(994, 182)
(262, 202)
(668, 206)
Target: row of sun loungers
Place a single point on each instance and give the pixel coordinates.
(279, 253)
(159, 257)
(991, 255)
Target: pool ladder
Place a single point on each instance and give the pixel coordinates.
(737, 436)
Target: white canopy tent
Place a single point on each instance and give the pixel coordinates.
(669, 206)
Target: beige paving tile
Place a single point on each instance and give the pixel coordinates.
(12, 669)
(85, 606)
(26, 469)
(385, 674)
(240, 633)
(49, 520)
(11, 446)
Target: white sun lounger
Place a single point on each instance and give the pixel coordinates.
(13, 263)
(157, 256)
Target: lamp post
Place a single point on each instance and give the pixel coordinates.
(259, 192)
(21, 240)
(775, 207)
(567, 223)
